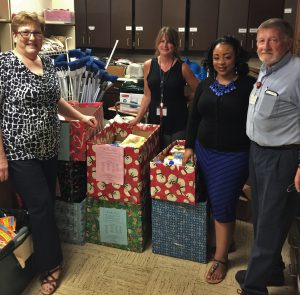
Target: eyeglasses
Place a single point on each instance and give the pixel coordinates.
(27, 34)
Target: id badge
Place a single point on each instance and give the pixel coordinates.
(164, 112)
(253, 99)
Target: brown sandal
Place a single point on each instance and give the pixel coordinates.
(215, 265)
(48, 278)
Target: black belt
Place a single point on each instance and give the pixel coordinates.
(281, 147)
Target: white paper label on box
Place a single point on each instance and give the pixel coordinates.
(113, 226)
(128, 28)
(109, 163)
(92, 28)
(253, 30)
(181, 29)
(288, 10)
(242, 30)
(193, 29)
(139, 28)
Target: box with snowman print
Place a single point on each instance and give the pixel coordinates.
(117, 172)
(170, 180)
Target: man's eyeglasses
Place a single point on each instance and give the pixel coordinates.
(27, 34)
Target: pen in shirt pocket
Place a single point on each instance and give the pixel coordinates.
(271, 92)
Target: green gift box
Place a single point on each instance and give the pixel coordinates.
(120, 225)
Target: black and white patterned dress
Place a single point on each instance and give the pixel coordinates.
(28, 109)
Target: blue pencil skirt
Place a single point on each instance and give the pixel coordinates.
(224, 175)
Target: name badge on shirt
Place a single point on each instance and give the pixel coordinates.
(252, 99)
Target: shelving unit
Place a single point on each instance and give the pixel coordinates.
(10, 7)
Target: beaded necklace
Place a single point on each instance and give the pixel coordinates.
(220, 89)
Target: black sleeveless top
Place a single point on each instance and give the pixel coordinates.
(173, 97)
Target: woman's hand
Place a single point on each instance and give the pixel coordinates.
(90, 120)
(133, 122)
(188, 153)
(3, 168)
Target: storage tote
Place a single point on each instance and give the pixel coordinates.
(16, 274)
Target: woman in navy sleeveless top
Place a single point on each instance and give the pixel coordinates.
(165, 78)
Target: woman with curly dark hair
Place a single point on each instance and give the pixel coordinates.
(216, 132)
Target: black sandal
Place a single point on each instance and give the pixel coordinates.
(48, 278)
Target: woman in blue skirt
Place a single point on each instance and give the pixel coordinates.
(216, 133)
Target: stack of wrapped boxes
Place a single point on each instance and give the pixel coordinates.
(70, 206)
(180, 217)
(118, 203)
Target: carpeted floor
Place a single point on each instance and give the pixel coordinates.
(97, 270)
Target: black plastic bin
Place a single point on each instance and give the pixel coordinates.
(13, 278)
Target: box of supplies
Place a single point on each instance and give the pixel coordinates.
(173, 182)
(119, 172)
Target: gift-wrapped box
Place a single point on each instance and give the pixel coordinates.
(131, 164)
(74, 134)
(180, 230)
(121, 225)
(175, 183)
(71, 221)
(72, 180)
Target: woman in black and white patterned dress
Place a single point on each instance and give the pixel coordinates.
(29, 128)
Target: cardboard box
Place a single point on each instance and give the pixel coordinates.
(171, 182)
(117, 70)
(71, 221)
(72, 181)
(181, 230)
(59, 15)
(135, 163)
(121, 225)
(74, 134)
(130, 102)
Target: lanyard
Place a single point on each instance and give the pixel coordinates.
(163, 80)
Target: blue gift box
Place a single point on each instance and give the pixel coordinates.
(181, 230)
(71, 221)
